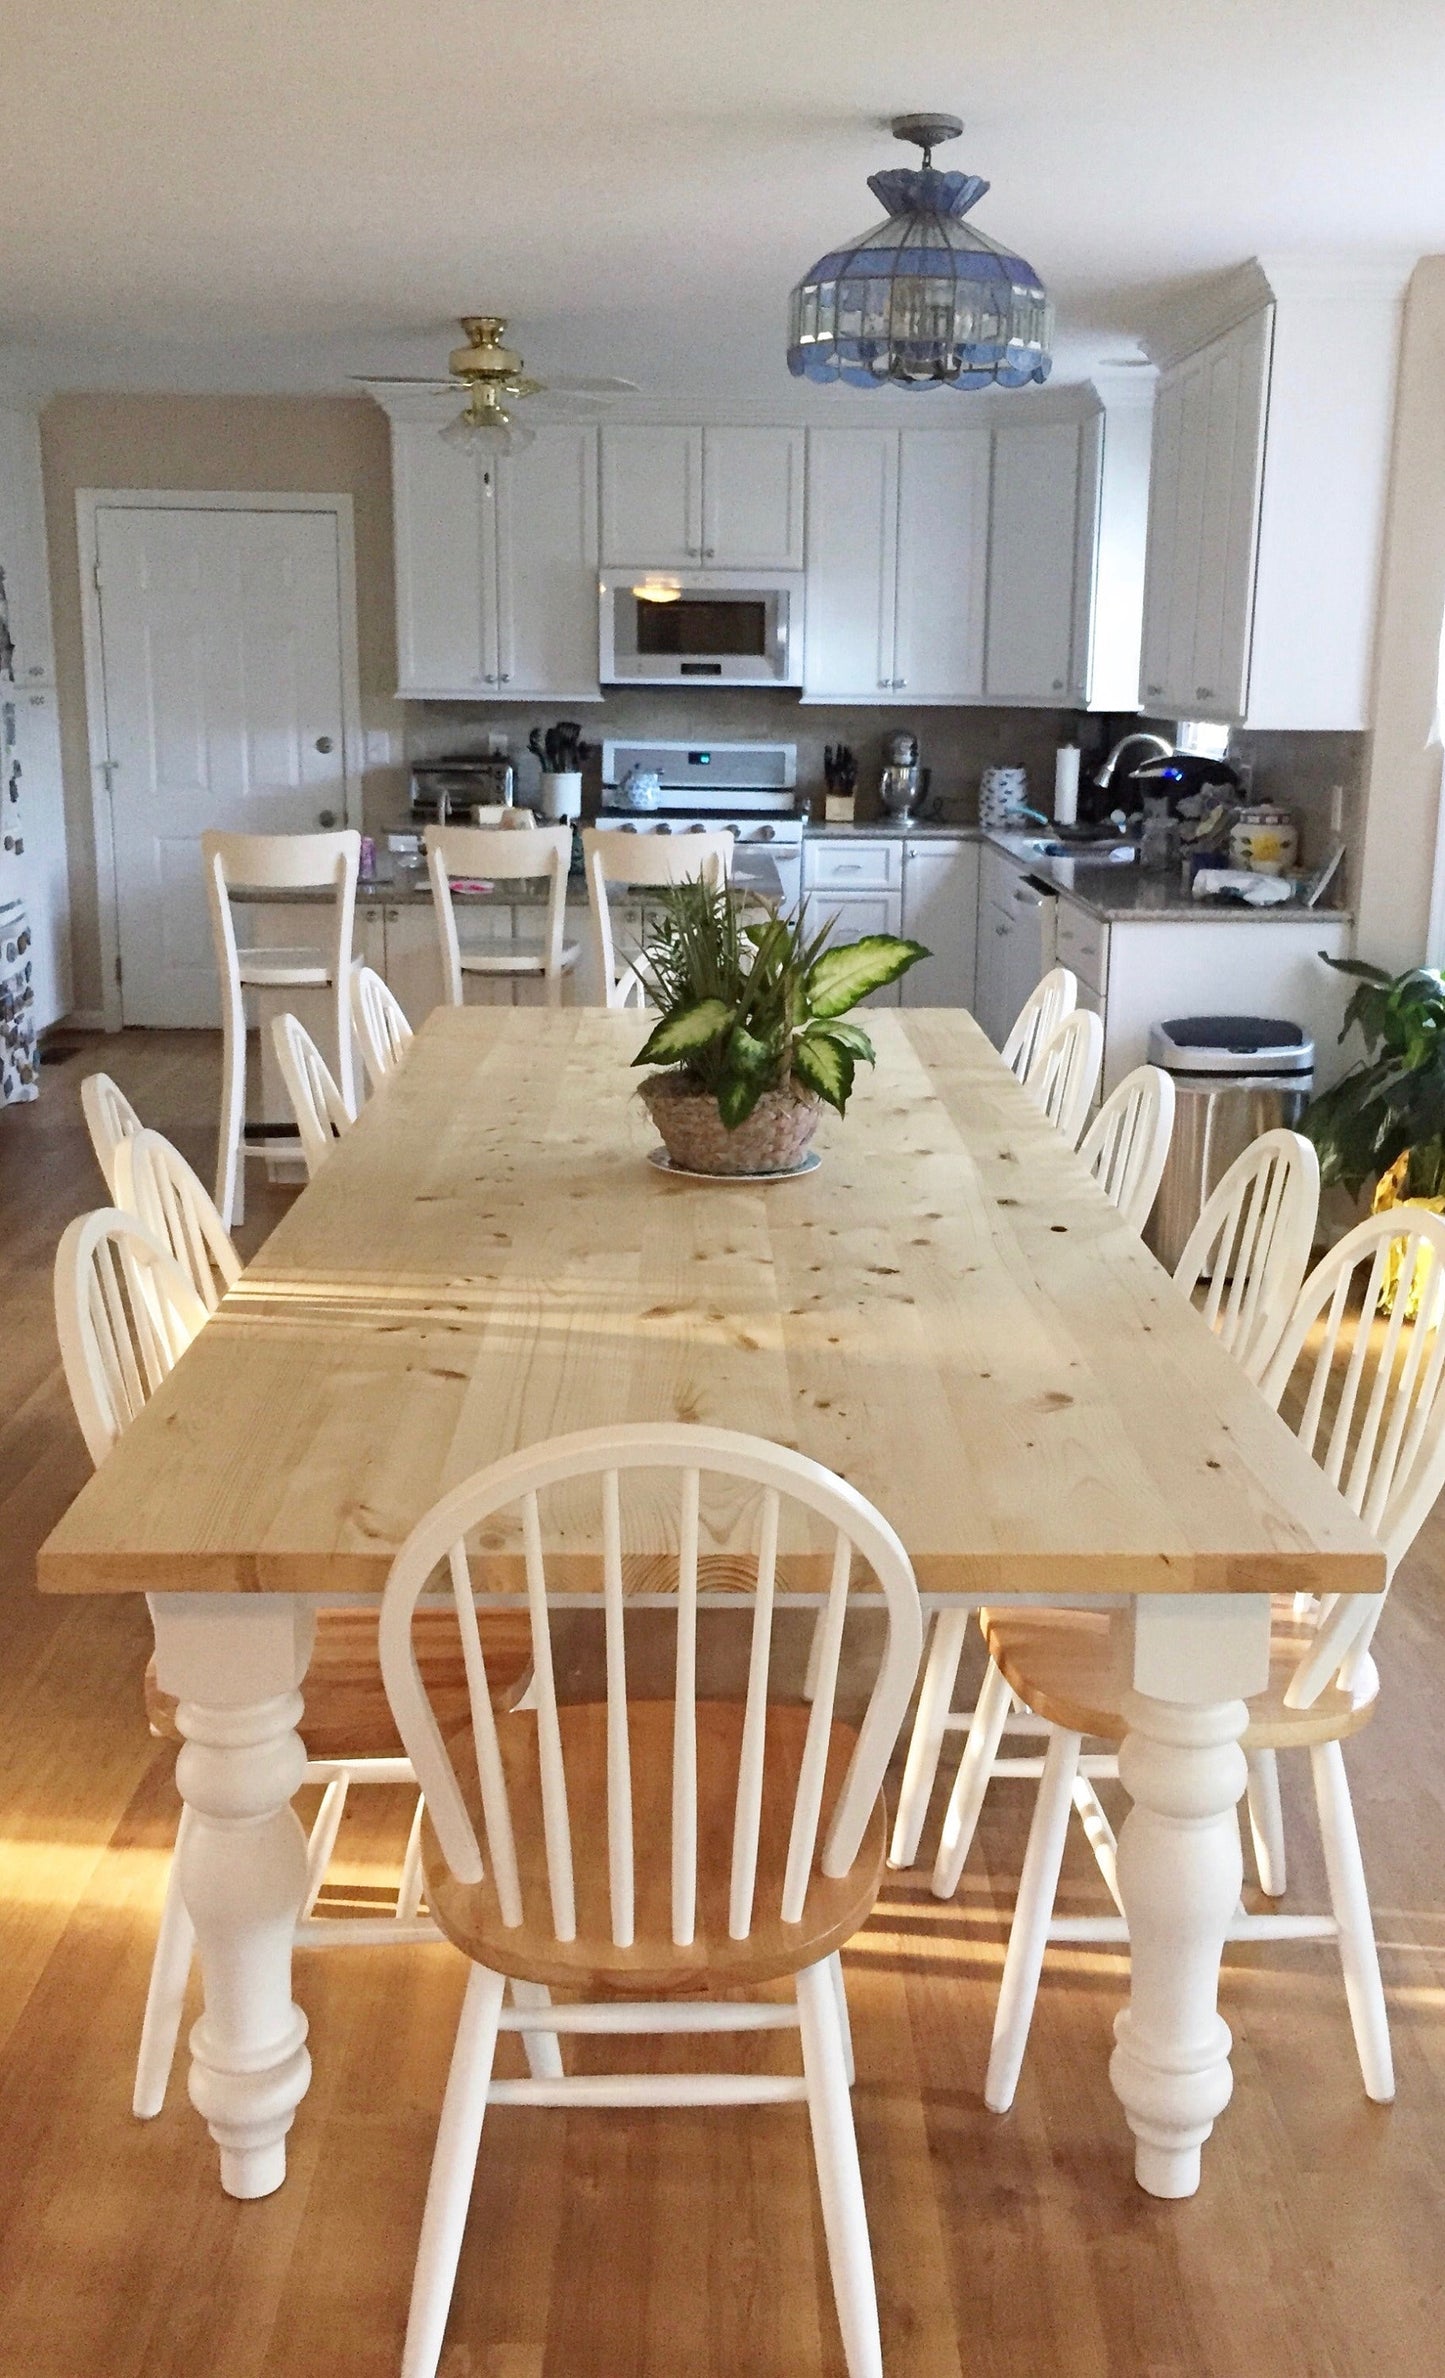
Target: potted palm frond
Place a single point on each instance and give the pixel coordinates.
(753, 1037)
(1384, 1121)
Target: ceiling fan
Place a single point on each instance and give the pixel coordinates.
(490, 372)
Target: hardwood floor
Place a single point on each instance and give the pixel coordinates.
(653, 2244)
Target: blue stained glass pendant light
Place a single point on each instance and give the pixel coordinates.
(924, 300)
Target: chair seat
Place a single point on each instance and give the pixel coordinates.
(347, 1715)
(286, 969)
(654, 1966)
(1074, 1667)
(517, 957)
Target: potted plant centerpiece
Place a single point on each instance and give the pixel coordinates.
(753, 1037)
(1384, 1121)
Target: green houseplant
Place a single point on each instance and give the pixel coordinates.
(1385, 1119)
(753, 1036)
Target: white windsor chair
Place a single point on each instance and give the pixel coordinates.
(655, 1853)
(1375, 1423)
(1065, 1072)
(109, 1118)
(381, 1024)
(322, 1114)
(155, 1183)
(1039, 1018)
(125, 1313)
(259, 863)
(1126, 1147)
(499, 854)
(641, 863)
(1256, 1231)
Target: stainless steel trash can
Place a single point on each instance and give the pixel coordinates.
(1234, 1077)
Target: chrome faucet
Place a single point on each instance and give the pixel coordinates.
(1104, 776)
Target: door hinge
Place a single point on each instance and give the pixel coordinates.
(95, 573)
(117, 966)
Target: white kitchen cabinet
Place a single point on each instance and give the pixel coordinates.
(857, 883)
(23, 556)
(940, 909)
(496, 567)
(1204, 507)
(727, 496)
(896, 560)
(1042, 540)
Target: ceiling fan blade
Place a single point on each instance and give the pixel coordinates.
(605, 386)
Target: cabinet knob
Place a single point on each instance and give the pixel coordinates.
(1204, 693)
(324, 743)
(1058, 686)
(1153, 689)
(36, 669)
(1001, 930)
(505, 678)
(899, 683)
(709, 552)
(326, 819)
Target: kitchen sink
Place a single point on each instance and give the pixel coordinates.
(1088, 854)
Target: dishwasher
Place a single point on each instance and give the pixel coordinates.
(1018, 925)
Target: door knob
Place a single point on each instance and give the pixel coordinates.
(324, 743)
(326, 818)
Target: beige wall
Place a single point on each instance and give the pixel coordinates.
(272, 445)
(1403, 794)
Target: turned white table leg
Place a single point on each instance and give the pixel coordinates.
(1180, 1868)
(235, 1664)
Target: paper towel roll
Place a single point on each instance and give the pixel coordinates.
(1066, 784)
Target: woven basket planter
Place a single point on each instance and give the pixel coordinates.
(775, 1137)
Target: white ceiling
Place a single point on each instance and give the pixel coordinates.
(261, 194)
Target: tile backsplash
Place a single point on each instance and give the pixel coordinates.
(956, 744)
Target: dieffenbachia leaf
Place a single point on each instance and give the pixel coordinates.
(851, 1037)
(738, 1094)
(821, 1065)
(684, 1032)
(841, 977)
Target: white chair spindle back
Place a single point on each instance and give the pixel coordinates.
(690, 1456)
(1039, 1018)
(124, 1315)
(1126, 1146)
(322, 1114)
(1376, 1423)
(381, 1024)
(1065, 1072)
(155, 1183)
(1252, 1243)
(109, 1118)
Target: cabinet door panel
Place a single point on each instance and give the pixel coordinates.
(547, 566)
(852, 547)
(1033, 562)
(940, 909)
(753, 498)
(942, 565)
(413, 960)
(1163, 542)
(445, 616)
(1238, 380)
(651, 495)
(1192, 504)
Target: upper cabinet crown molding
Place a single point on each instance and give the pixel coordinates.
(1189, 319)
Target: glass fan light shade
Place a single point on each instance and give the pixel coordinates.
(488, 432)
(924, 299)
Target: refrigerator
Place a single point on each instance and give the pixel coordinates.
(19, 1063)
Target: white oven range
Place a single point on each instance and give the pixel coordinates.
(747, 790)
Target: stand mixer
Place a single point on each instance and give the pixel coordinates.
(900, 783)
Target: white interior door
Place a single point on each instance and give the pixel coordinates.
(221, 642)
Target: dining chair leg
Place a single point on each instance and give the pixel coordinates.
(840, 2182)
(166, 1996)
(543, 2049)
(925, 1744)
(322, 1839)
(1029, 1932)
(230, 1163)
(454, 2164)
(971, 1782)
(840, 1991)
(1266, 1821)
(1350, 1903)
(409, 1889)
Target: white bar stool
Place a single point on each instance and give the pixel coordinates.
(641, 862)
(499, 854)
(276, 863)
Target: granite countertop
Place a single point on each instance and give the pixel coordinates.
(1121, 892)
(753, 871)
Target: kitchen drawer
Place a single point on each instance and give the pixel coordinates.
(1082, 944)
(853, 866)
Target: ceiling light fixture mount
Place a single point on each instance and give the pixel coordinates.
(924, 299)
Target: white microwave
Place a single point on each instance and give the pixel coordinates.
(714, 627)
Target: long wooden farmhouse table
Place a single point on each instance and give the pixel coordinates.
(947, 1312)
